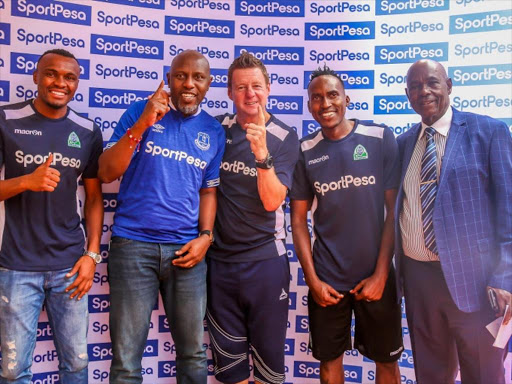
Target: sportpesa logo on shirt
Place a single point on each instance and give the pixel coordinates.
(156, 150)
(343, 183)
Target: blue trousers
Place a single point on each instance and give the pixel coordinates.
(137, 271)
(22, 295)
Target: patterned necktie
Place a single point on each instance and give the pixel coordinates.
(428, 189)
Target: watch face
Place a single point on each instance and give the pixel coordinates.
(97, 259)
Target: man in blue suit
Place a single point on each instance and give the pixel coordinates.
(453, 232)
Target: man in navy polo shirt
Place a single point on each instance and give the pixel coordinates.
(168, 151)
(346, 174)
(45, 147)
(248, 271)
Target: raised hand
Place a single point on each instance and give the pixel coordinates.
(156, 107)
(44, 178)
(257, 136)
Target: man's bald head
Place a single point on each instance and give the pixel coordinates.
(189, 56)
(428, 90)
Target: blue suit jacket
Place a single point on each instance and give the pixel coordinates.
(473, 207)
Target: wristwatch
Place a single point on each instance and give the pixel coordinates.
(207, 232)
(266, 163)
(95, 256)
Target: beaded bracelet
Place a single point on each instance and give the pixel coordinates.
(133, 138)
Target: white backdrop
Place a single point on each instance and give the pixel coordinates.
(126, 46)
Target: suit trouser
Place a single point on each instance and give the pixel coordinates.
(442, 336)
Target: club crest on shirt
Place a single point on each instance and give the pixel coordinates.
(202, 141)
(360, 153)
(73, 140)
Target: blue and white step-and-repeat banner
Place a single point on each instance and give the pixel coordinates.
(125, 47)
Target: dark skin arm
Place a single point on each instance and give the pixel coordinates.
(195, 250)
(84, 268)
(43, 179)
(115, 161)
(322, 292)
(371, 288)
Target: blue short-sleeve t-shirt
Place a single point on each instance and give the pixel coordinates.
(346, 180)
(42, 231)
(158, 198)
(244, 230)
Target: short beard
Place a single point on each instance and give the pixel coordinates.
(186, 109)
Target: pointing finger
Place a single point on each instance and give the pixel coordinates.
(261, 116)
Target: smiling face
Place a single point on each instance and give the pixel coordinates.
(327, 102)
(56, 77)
(428, 90)
(248, 90)
(189, 80)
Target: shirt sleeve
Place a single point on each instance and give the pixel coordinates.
(286, 158)
(91, 169)
(211, 178)
(391, 161)
(301, 189)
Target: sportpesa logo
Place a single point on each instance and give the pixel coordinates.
(344, 182)
(54, 11)
(287, 105)
(114, 98)
(481, 74)
(411, 27)
(274, 55)
(339, 7)
(45, 377)
(351, 79)
(127, 47)
(409, 53)
(5, 33)
(395, 7)
(269, 30)
(219, 77)
(129, 20)
(26, 63)
(272, 8)
(103, 351)
(189, 26)
(51, 38)
(481, 22)
(156, 4)
(59, 159)
(338, 55)
(488, 48)
(311, 370)
(4, 90)
(126, 72)
(208, 5)
(392, 105)
(360, 30)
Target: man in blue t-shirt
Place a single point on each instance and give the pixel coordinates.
(248, 272)
(347, 173)
(45, 148)
(168, 151)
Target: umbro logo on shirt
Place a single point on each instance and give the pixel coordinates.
(283, 295)
(159, 128)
